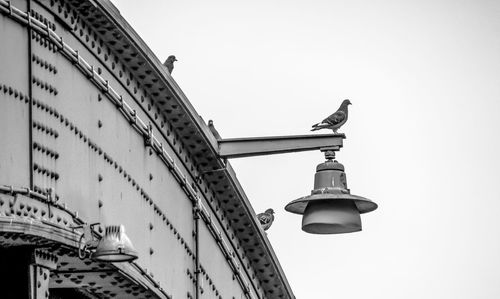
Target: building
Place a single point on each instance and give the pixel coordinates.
(95, 130)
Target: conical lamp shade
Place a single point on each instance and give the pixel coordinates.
(115, 246)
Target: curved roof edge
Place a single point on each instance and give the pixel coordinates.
(200, 142)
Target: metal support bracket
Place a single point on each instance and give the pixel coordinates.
(42, 263)
(258, 146)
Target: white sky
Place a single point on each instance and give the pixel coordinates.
(422, 136)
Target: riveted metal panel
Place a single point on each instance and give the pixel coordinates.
(104, 169)
(217, 279)
(112, 157)
(124, 49)
(14, 106)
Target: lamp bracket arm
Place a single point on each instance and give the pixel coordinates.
(259, 146)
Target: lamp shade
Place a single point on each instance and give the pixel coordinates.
(331, 208)
(331, 217)
(115, 246)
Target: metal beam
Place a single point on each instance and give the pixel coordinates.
(258, 146)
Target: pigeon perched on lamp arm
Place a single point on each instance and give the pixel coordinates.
(169, 63)
(266, 219)
(336, 120)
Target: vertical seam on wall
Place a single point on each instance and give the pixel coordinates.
(30, 97)
(196, 214)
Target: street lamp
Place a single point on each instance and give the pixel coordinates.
(331, 208)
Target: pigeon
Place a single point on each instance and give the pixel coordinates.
(336, 120)
(169, 63)
(213, 130)
(266, 219)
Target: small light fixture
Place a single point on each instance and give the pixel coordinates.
(331, 208)
(115, 246)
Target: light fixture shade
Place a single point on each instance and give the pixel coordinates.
(115, 246)
(331, 208)
(331, 217)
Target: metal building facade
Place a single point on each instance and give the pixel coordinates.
(94, 130)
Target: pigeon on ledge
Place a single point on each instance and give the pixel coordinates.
(213, 130)
(169, 63)
(266, 219)
(336, 120)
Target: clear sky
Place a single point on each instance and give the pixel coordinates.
(422, 136)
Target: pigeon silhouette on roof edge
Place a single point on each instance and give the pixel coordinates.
(169, 63)
(266, 219)
(213, 129)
